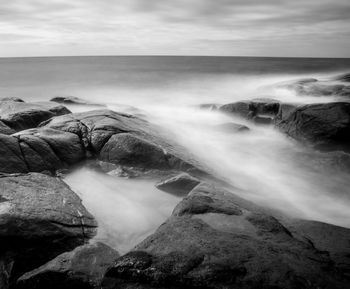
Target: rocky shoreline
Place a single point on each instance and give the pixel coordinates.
(213, 238)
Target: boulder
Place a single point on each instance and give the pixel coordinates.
(325, 126)
(231, 127)
(82, 268)
(215, 240)
(4, 129)
(179, 185)
(16, 99)
(259, 107)
(285, 110)
(23, 115)
(40, 217)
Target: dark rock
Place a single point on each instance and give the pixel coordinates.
(4, 129)
(127, 149)
(260, 107)
(40, 217)
(285, 110)
(325, 126)
(214, 240)
(82, 268)
(231, 127)
(263, 120)
(179, 185)
(11, 158)
(344, 77)
(22, 115)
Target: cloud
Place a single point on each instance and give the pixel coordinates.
(218, 27)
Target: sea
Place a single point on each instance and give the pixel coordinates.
(268, 167)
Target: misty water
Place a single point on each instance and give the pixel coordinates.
(264, 165)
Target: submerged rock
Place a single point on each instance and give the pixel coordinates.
(216, 240)
(40, 217)
(179, 185)
(82, 268)
(69, 100)
(22, 115)
(231, 127)
(16, 99)
(326, 126)
(209, 106)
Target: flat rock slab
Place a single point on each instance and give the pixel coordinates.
(179, 185)
(216, 240)
(82, 268)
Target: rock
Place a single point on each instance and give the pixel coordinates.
(215, 240)
(263, 120)
(285, 110)
(127, 149)
(231, 127)
(109, 136)
(179, 185)
(259, 107)
(344, 77)
(40, 217)
(69, 100)
(208, 106)
(82, 268)
(325, 126)
(15, 99)
(4, 129)
(313, 87)
(22, 115)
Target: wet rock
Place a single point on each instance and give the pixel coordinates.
(216, 240)
(179, 185)
(11, 158)
(260, 107)
(232, 127)
(82, 268)
(285, 110)
(344, 77)
(325, 126)
(4, 129)
(40, 217)
(22, 115)
(263, 120)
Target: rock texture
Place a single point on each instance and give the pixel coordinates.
(112, 137)
(82, 268)
(179, 185)
(40, 217)
(325, 126)
(215, 240)
(22, 115)
(255, 109)
(231, 127)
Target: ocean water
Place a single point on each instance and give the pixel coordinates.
(265, 165)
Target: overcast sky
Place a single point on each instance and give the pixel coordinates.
(319, 28)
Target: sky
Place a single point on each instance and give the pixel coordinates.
(295, 28)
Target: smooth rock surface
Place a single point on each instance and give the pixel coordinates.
(179, 185)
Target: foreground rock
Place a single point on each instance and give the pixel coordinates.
(22, 115)
(216, 240)
(82, 268)
(40, 217)
(260, 110)
(179, 185)
(325, 126)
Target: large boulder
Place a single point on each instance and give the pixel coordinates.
(216, 240)
(82, 268)
(325, 126)
(179, 185)
(253, 109)
(22, 115)
(40, 217)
